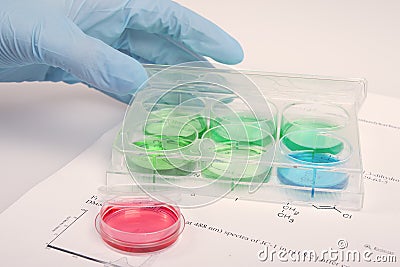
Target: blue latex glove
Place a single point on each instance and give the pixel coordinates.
(103, 42)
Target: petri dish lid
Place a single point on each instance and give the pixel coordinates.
(134, 221)
(187, 98)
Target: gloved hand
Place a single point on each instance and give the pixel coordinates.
(103, 43)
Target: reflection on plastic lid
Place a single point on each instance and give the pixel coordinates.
(139, 225)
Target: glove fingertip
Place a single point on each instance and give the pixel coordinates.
(116, 72)
(127, 77)
(234, 54)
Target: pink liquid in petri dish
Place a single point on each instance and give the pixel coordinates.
(139, 226)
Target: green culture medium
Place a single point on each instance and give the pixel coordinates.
(239, 153)
(162, 147)
(302, 139)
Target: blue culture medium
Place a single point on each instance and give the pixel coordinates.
(312, 176)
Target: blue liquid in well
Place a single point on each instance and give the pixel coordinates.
(313, 177)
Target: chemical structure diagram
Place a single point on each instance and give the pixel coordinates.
(290, 212)
(329, 207)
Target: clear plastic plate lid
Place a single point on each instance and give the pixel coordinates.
(190, 126)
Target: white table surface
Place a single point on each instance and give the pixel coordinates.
(43, 126)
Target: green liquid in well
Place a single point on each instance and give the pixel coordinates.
(179, 120)
(305, 124)
(166, 131)
(162, 143)
(241, 135)
(241, 142)
(266, 125)
(301, 139)
(237, 164)
(157, 156)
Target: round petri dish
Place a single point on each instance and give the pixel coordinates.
(235, 111)
(312, 141)
(301, 118)
(241, 153)
(139, 224)
(317, 161)
(313, 116)
(178, 107)
(158, 146)
(180, 117)
(240, 135)
(312, 178)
